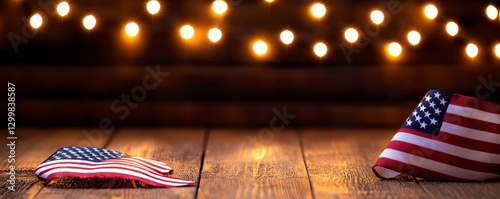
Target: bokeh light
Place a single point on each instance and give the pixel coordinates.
(219, 6)
(153, 7)
(472, 50)
(414, 37)
(377, 17)
(132, 29)
(36, 21)
(497, 50)
(89, 22)
(187, 32)
(287, 37)
(63, 8)
(214, 35)
(491, 12)
(394, 49)
(351, 35)
(431, 11)
(260, 47)
(320, 49)
(318, 10)
(452, 28)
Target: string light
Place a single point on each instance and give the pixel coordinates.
(132, 29)
(431, 11)
(497, 50)
(260, 47)
(472, 50)
(187, 32)
(320, 49)
(377, 17)
(414, 37)
(219, 6)
(36, 21)
(351, 35)
(89, 22)
(491, 12)
(318, 10)
(286, 37)
(452, 28)
(394, 49)
(214, 35)
(63, 8)
(153, 7)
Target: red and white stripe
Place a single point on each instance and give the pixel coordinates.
(467, 147)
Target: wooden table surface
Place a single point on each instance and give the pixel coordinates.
(237, 163)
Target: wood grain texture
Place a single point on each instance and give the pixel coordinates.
(462, 189)
(248, 164)
(181, 149)
(339, 164)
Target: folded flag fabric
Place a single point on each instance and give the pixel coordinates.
(90, 162)
(447, 137)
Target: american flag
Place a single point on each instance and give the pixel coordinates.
(447, 137)
(90, 162)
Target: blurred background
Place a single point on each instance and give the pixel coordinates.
(238, 62)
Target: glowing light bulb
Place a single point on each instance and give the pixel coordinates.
(287, 37)
(63, 8)
(491, 12)
(214, 35)
(318, 10)
(153, 7)
(36, 21)
(89, 22)
(497, 50)
(219, 6)
(394, 49)
(452, 28)
(320, 49)
(260, 48)
(431, 11)
(351, 35)
(187, 32)
(132, 29)
(377, 17)
(472, 50)
(414, 37)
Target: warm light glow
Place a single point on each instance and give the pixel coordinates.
(492, 12)
(269, 1)
(260, 48)
(132, 29)
(187, 32)
(36, 21)
(377, 17)
(414, 37)
(394, 49)
(452, 28)
(431, 11)
(89, 22)
(214, 35)
(153, 7)
(63, 8)
(318, 10)
(472, 50)
(497, 50)
(219, 6)
(320, 49)
(351, 35)
(287, 37)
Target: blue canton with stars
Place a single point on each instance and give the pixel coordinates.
(429, 114)
(85, 154)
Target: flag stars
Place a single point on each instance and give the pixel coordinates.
(432, 104)
(418, 118)
(433, 121)
(422, 108)
(442, 102)
(427, 114)
(437, 95)
(423, 125)
(414, 113)
(437, 111)
(408, 122)
(427, 98)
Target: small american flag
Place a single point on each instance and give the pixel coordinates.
(447, 137)
(90, 162)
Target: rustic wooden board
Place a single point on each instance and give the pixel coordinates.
(241, 164)
(181, 149)
(32, 147)
(462, 189)
(339, 164)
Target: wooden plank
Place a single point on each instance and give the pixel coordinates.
(461, 189)
(181, 149)
(32, 147)
(339, 164)
(248, 164)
